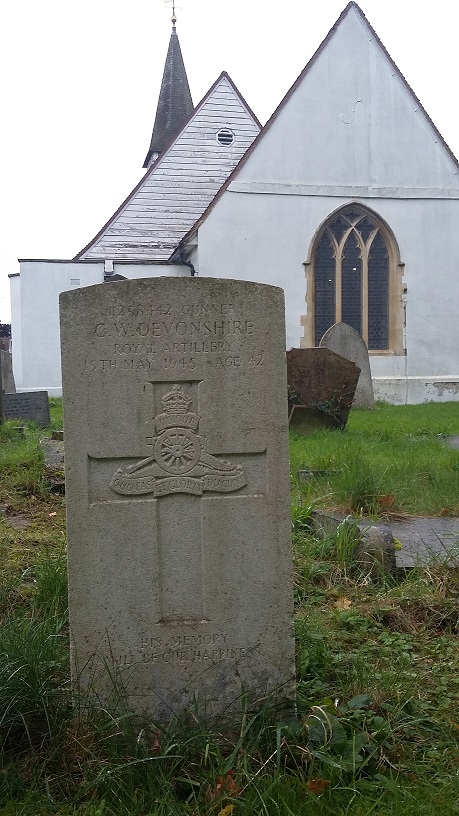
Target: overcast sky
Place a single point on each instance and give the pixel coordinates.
(80, 83)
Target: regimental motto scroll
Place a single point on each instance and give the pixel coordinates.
(179, 463)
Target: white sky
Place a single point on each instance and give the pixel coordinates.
(80, 83)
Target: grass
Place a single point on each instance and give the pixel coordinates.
(390, 460)
(378, 689)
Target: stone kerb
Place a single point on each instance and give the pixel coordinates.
(177, 482)
(344, 340)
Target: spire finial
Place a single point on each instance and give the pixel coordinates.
(173, 18)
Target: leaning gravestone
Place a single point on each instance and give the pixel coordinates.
(344, 340)
(323, 384)
(177, 482)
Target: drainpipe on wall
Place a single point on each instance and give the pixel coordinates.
(183, 261)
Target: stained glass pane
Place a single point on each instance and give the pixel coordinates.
(353, 215)
(378, 294)
(351, 284)
(339, 227)
(366, 227)
(324, 281)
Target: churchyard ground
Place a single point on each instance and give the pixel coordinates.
(378, 687)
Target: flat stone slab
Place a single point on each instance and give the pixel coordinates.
(452, 442)
(178, 501)
(28, 406)
(18, 522)
(424, 540)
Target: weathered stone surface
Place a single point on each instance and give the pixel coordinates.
(178, 492)
(344, 340)
(19, 522)
(7, 377)
(53, 453)
(325, 382)
(373, 552)
(28, 406)
(376, 551)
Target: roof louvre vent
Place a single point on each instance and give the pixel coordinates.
(225, 137)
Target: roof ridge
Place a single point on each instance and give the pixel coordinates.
(155, 164)
(352, 5)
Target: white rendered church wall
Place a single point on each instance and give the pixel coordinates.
(351, 121)
(150, 270)
(432, 280)
(415, 390)
(41, 284)
(35, 313)
(267, 238)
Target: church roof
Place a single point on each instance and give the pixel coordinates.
(352, 6)
(183, 180)
(175, 104)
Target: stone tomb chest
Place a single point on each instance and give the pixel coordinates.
(178, 492)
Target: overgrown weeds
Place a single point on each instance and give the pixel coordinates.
(376, 729)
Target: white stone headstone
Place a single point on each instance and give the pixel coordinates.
(177, 484)
(346, 341)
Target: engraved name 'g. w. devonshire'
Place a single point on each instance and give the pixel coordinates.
(179, 463)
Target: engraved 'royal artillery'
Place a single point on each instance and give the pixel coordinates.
(179, 463)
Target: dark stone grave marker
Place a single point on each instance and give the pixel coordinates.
(28, 406)
(7, 377)
(321, 388)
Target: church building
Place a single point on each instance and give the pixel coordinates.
(348, 199)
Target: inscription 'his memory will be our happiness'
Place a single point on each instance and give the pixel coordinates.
(185, 648)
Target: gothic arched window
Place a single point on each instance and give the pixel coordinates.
(353, 279)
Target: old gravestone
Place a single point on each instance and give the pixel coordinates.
(322, 384)
(178, 492)
(346, 341)
(6, 369)
(28, 406)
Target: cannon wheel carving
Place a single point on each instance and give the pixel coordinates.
(177, 451)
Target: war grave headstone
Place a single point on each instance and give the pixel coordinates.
(177, 480)
(346, 341)
(321, 388)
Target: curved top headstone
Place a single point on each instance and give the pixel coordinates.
(344, 340)
(177, 490)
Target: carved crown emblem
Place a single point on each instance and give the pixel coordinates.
(175, 412)
(176, 402)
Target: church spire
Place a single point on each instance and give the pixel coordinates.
(175, 104)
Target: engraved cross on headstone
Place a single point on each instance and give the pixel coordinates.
(177, 477)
